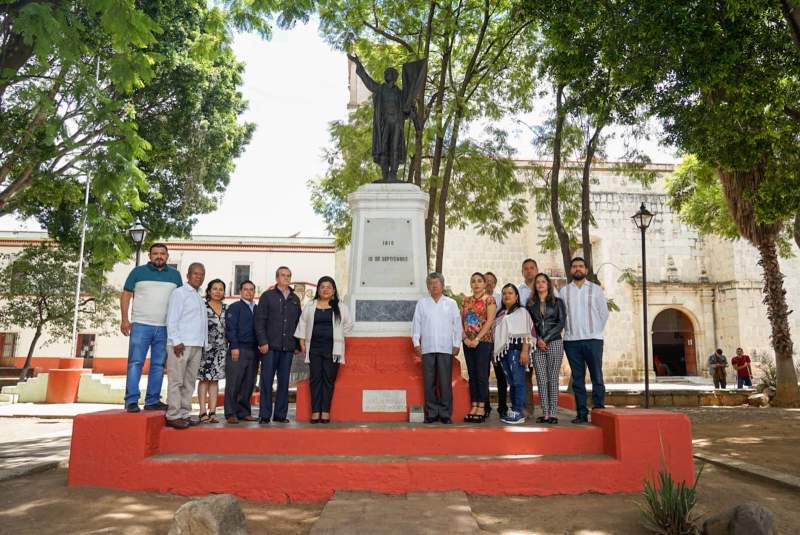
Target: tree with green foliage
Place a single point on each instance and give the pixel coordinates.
(39, 294)
(480, 55)
(596, 84)
(726, 73)
(143, 100)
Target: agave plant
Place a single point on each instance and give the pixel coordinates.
(667, 507)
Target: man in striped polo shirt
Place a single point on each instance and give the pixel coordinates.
(149, 286)
(587, 313)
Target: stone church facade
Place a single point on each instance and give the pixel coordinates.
(703, 292)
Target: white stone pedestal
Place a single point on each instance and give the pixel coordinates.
(387, 257)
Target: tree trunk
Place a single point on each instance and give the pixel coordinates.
(586, 207)
(555, 171)
(438, 147)
(796, 229)
(448, 173)
(788, 394)
(31, 348)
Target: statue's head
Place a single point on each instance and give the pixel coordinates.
(390, 75)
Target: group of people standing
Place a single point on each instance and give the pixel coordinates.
(520, 329)
(718, 363)
(202, 341)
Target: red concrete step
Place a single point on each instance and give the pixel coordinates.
(384, 439)
(284, 478)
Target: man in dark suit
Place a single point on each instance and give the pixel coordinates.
(276, 318)
(241, 363)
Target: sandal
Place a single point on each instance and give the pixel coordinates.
(552, 420)
(212, 418)
(541, 420)
(204, 418)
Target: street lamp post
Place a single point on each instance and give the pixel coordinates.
(642, 220)
(138, 234)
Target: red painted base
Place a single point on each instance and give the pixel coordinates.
(309, 463)
(62, 384)
(380, 363)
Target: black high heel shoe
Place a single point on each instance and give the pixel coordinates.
(541, 420)
(552, 420)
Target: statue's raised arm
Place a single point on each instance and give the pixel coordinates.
(362, 73)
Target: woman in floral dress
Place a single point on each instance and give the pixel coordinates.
(477, 317)
(212, 364)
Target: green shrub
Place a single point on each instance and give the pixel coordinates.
(667, 507)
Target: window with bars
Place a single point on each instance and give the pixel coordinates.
(8, 345)
(241, 273)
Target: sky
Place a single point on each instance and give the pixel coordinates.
(295, 85)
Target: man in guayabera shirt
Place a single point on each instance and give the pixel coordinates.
(149, 286)
(587, 314)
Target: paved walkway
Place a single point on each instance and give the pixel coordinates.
(30, 445)
(428, 513)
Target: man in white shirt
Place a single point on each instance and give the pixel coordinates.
(187, 336)
(587, 314)
(529, 271)
(436, 335)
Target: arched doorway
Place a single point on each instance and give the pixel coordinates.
(674, 351)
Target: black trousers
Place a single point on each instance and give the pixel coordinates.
(478, 362)
(502, 389)
(437, 374)
(240, 380)
(322, 378)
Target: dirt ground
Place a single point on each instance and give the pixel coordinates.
(42, 504)
(763, 436)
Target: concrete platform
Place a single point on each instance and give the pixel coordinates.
(304, 462)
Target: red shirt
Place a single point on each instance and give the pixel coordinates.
(739, 360)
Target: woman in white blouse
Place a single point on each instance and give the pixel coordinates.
(321, 331)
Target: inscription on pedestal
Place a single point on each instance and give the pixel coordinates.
(384, 310)
(383, 401)
(387, 259)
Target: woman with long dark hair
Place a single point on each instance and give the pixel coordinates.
(212, 363)
(477, 316)
(513, 333)
(324, 323)
(549, 313)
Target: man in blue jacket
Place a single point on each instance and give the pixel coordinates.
(241, 363)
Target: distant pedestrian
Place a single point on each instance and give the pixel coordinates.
(149, 287)
(513, 336)
(499, 375)
(477, 316)
(241, 364)
(549, 315)
(436, 336)
(717, 362)
(321, 332)
(187, 336)
(587, 314)
(744, 374)
(212, 364)
(276, 318)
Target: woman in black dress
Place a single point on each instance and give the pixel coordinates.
(321, 331)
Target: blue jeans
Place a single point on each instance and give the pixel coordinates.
(515, 375)
(280, 363)
(741, 381)
(582, 354)
(144, 337)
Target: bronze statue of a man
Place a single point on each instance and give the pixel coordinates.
(390, 107)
